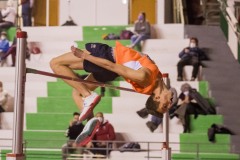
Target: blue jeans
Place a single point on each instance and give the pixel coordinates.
(26, 14)
(157, 121)
(136, 39)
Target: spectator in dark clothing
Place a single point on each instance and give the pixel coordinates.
(187, 106)
(27, 6)
(191, 55)
(74, 129)
(104, 133)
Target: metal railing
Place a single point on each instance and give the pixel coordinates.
(147, 150)
(230, 16)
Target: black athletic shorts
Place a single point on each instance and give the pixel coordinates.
(102, 51)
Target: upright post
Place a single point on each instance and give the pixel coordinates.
(20, 79)
(166, 150)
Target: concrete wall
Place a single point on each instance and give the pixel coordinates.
(3, 3)
(94, 12)
(107, 12)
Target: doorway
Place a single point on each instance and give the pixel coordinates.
(39, 12)
(147, 6)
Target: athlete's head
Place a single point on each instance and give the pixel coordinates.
(159, 104)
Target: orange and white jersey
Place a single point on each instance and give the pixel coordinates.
(134, 60)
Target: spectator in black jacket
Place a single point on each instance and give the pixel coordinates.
(187, 106)
(74, 129)
(191, 55)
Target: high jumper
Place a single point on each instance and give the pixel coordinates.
(104, 64)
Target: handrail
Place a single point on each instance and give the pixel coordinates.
(121, 142)
(230, 17)
(148, 148)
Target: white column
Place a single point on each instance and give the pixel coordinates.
(160, 11)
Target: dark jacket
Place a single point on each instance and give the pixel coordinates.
(193, 52)
(74, 130)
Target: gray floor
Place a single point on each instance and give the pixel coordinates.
(223, 74)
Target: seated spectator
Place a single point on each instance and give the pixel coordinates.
(74, 129)
(3, 99)
(156, 121)
(191, 55)
(8, 16)
(12, 51)
(104, 133)
(142, 30)
(4, 46)
(188, 105)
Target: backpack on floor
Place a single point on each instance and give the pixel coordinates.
(126, 34)
(131, 147)
(217, 129)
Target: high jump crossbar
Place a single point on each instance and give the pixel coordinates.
(35, 71)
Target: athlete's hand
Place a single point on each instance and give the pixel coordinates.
(77, 52)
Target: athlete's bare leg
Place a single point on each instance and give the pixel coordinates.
(64, 65)
(75, 94)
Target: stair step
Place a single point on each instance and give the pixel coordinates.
(67, 105)
(207, 156)
(200, 143)
(45, 139)
(203, 122)
(61, 89)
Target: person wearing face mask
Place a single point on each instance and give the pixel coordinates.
(4, 46)
(96, 135)
(187, 105)
(142, 30)
(13, 50)
(104, 133)
(191, 55)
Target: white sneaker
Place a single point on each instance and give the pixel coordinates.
(88, 105)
